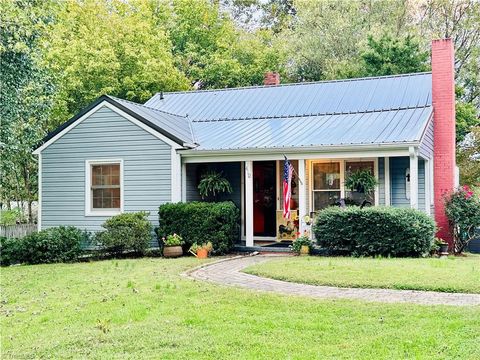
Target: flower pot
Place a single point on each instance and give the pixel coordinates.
(304, 250)
(172, 251)
(443, 251)
(202, 253)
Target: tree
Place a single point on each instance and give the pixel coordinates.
(465, 119)
(211, 51)
(328, 37)
(459, 20)
(468, 158)
(112, 47)
(25, 100)
(389, 56)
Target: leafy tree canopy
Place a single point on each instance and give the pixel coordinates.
(25, 98)
(389, 56)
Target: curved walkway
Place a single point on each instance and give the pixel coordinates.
(229, 272)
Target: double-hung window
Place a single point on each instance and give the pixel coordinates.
(104, 193)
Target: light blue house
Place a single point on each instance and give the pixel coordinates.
(118, 156)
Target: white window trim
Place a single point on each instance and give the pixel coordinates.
(342, 177)
(89, 211)
(40, 186)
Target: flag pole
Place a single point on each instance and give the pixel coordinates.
(295, 171)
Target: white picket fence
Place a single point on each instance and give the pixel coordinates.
(17, 231)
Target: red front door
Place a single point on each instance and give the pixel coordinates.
(264, 198)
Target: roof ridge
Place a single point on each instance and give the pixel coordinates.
(294, 84)
(314, 114)
(148, 107)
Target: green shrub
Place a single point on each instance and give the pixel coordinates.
(463, 211)
(201, 222)
(10, 250)
(56, 244)
(126, 232)
(375, 231)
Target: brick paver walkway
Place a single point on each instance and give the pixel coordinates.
(229, 272)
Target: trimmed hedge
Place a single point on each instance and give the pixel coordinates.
(56, 244)
(371, 231)
(126, 232)
(201, 222)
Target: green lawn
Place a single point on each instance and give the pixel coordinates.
(454, 274)
(144, 309)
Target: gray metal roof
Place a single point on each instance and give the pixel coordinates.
(315, 98)
(367, 111)
(178, 126)
(369, 128)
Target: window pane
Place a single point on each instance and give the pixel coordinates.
(352, 166)
(106, 186)
(323, 199)
(357, 198)
(106, 174)
(326, 176)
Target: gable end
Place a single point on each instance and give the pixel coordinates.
(106, 101)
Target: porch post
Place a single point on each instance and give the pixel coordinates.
(413, 178)
(387, 180)
(249, 203)
(184, 182)
(427, 186)
(302, 194)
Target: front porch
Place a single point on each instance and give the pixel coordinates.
(404, 180)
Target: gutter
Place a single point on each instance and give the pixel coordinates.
(315, 149)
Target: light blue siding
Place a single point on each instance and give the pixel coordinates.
(104, 135)
(426, 146)
(398, 165)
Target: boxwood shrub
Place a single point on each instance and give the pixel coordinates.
(56, 244)
(9, 251)
(201, 222)
(371, 231)
(126, 232)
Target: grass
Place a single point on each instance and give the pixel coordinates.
(143, 308)
(454, 274)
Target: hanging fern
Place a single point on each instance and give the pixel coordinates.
(213, 183)
(362, 181)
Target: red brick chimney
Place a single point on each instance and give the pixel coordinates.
(443, 97)
(271, 78)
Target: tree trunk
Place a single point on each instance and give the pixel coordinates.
(30, 215)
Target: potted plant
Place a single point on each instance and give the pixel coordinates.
(442, 247)
(201, 251)
(172, 246)
(302, 245)
(361, 181)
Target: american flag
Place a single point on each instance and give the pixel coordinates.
(287, 188)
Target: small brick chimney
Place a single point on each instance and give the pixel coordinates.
(443, 98)
(271, 78)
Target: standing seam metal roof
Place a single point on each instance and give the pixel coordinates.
(178, 126)
(377, 110)
(295, 100)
